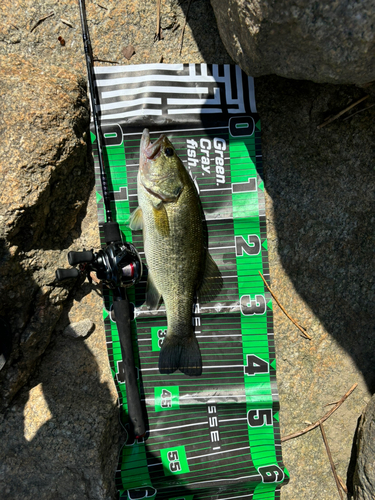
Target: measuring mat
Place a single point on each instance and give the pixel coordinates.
(215, 436)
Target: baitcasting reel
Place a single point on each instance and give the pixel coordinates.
(117, 265)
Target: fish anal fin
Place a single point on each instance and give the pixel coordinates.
(161, 220)
(153, 296)
(212, 281)
(136, 220)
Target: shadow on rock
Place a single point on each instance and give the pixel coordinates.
(321, 182)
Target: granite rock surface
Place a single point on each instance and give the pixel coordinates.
(60, 433)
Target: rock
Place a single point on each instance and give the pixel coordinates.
(321, 41)
(5, 341)
(60, 433)
(60, 439)
(364, 476)
(79, 329)
(46, 180)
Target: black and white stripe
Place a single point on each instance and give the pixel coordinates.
(155, 90)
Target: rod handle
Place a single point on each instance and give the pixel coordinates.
(122, 316)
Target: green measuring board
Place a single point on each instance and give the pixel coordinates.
(217, 435)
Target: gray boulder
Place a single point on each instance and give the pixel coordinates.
(321, 41)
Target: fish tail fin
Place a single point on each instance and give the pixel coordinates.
(180, 353)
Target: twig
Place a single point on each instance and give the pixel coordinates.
(95, 59)
(333, 403)
(102, 6)
(333, 118)
(331, 460)
(307, 336)
(321, 420)
(183, 29)
(66, 22)
(360, 111)
(343, 485)
(41, 20)
(157, 35)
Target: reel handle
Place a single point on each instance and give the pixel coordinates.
(75, 258)
(65, 274)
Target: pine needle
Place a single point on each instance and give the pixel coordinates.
(335, 117)
(321, 420)
(302, 330)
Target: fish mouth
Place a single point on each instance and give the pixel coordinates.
(148, 149)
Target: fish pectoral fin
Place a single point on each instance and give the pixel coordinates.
(153, 296)
(161, 220)
(136, 220)
(212, 282)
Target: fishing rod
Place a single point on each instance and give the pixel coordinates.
(117, 265)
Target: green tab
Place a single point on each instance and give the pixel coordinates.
(92, 137)
(273, 364)
(98, 196)
(276, 416)
(265, 244)
(174, 461)
(157, 336)
(269, 305)
(261, 186)
(258, 125)
(105, 314)
(166, 398)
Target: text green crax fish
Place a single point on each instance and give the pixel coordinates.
(179, 265)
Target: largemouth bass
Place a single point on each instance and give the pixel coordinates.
(178, 262)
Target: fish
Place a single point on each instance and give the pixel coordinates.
(176, 250)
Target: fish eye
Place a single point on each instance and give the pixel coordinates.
(169, 152)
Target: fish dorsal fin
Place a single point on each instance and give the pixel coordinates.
(153, 296)
(161, 220)
(136, 220)
(212, 282)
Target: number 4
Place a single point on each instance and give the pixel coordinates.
(255, 365)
